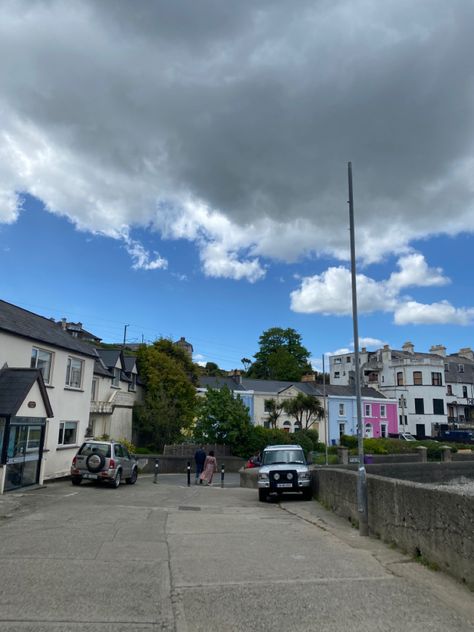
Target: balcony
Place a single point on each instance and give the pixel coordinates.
(102, 408)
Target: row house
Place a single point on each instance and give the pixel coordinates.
(431, 389)
(379, 414)
(81, 392)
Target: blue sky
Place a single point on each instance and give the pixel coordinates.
(185, 173)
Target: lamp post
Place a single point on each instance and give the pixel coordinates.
(362, 478)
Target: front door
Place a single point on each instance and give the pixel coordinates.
(25, 444)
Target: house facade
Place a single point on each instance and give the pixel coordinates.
(432, 389)
(67, 364)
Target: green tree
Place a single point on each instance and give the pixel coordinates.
(274, 410)
(281, 356)
(306, 409)
(169, 377)
(223, 418)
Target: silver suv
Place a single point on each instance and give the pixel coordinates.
(284, 469)
(104, 461)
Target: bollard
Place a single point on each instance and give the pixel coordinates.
(189, 473)
(222, 475)
(157, 469)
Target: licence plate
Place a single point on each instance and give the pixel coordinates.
(285, 485)
(94, 476)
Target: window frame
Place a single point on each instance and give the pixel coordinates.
(367, 410)
(439, 404)
(449, 389)
(418, 380)
(383, 411)
(133, 386)
(61, 433)
(464, 391)
(342, 409)
(116, 377)
(47, 380)
(420, 406)
(436, 378)
(460, 368)
(400, 380)
(70, 369)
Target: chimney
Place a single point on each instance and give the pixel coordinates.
(237, 376)
(408, 347)
(64, 324)
(364, 350)
(439, 350)
(386, 354)
(466, 352)
(309, 377)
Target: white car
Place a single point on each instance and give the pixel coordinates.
(406, 436)
(284, 469)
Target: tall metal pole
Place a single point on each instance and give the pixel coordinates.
(361, 479)
(326, 419)
(124, 335)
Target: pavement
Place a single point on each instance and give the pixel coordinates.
(166, 556)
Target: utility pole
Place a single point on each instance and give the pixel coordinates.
(326, 417)
(125, 335)
(362, 478)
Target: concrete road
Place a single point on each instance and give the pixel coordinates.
(168, 557)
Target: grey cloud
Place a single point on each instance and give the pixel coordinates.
(254, 109)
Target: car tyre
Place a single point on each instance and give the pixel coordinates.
(117, 480)
(76, 480)
(133, 478)
(262, 495)
(308, 493)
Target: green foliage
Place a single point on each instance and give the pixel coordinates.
(281, 356)
(169, 402)
(274, 410)
(223, 418)
(306, 409)
(128, 444)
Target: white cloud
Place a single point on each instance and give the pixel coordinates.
(329, 293)
(238, 138)
(370, 342)
(442, 313)
(142, 260)
(199, 359)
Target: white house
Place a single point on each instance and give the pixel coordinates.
(67, 364)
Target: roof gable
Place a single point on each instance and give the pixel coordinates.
(15, 384)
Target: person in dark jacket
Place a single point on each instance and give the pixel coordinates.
(199, 459)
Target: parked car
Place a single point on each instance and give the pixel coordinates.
(107, 461)
(284, 469)
(406, 436)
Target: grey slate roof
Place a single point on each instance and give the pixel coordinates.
(206, 381)
(15, 384)
(101, 369)
(336, 390)
(109, 356)
(20, 322)
(452, 375)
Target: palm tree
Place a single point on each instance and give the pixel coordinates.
(274, 410)
(306, 409)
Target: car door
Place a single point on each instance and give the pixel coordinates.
(124, 462)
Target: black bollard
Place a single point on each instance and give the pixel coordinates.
(189, 473)
(222, 475)
(157, 469)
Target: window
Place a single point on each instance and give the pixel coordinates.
(449, 389)
(446, 366)
(67, 432)
(403, 420)
(417, 378)
(400, 378)
(116, 378)
(438, 407)
(383, 431)
(342, 430)
(133, 384)
(460, 368)
(419, 406)
(337, 360)
(464, 391)
(341, 410)
(118, 451)
(436, 379)
(267, 405)
(74, 372)
(42, 360)
(383, 410)
(348, 359)
(95, 390)
(337, 374)
(287, 426)
(368, 410)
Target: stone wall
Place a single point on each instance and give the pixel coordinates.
(178, 464)
(434, 524)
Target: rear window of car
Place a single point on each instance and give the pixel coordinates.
(95, 448)
(283, 456)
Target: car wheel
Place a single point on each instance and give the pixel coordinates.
(117, 480)
(133, 478)
(262, 495)
(76, 480)
(308, 493)
(95, 462)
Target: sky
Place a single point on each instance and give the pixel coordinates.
(181, 168)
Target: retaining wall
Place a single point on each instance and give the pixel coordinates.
(178, 464)
(434, 524)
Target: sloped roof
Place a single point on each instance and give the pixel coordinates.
(130, 362)
(109, 356)
(335, 390)
(20, 322)
(101, 369)
(15, 384)
(207, 381)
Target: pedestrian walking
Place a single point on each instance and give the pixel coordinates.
(199, 459)
(210, 466)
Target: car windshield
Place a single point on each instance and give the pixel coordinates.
(272, 457)
(95, 448)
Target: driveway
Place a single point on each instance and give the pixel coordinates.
(168, 557)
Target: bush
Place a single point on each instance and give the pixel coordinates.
(302, 439)
(260, 437)
(349, 441)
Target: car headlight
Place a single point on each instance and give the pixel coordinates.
(263, 477)
(305, 476)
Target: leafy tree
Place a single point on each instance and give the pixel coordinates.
(168, 410)
(246, 362)
(223, 418)
(281, 356)
(306, 409)
(274, 410)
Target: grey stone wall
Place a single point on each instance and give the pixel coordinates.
(429, 522)
(178, 464)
